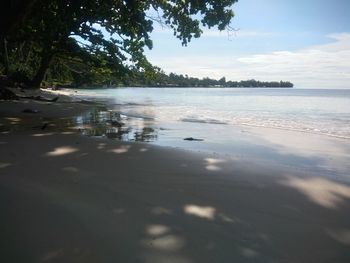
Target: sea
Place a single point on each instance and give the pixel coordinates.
(321, 111)
(286, 125)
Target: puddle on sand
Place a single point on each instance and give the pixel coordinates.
(114, 125)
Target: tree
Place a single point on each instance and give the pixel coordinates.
(114, 29)
(222, 81)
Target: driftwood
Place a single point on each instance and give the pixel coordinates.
(7, 94)
(39, 98)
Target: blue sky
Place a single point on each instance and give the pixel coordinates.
(303, 41)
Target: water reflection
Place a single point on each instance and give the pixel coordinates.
(114, 125)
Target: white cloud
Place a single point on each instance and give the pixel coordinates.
(325, 65)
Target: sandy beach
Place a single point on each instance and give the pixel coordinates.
(69, 198)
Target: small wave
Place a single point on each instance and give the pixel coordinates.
(129, 104)
(209, 121)
(295, 129)
(135, 116)
(135, 104)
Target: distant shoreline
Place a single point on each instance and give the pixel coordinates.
(163, 87)
(179, 81)
(191, 87)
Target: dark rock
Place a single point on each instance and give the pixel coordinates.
(114, 123)
(30, 111)
(193, 139)
(44, 126)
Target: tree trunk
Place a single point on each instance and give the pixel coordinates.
(40, 74)
(6, 57)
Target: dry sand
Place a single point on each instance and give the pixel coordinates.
(69, 198)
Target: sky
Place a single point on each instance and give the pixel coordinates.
(306, 42)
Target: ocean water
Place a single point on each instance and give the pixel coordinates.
(303, 129)
(168, 113)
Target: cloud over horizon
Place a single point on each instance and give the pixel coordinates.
(326, 65)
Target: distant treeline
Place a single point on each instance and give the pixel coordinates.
(160, 79)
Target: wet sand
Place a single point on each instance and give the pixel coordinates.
(69, 198)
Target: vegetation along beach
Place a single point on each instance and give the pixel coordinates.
(175, 131)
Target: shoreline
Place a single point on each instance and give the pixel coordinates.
(302, 125)
(255, 143)
(250, 143)
(71, 198)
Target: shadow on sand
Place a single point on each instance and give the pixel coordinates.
(67, 198)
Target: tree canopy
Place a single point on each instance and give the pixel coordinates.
(95, 38)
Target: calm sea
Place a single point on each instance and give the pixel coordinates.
(321, 111)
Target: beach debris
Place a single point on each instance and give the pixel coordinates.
(30, 111)
(192, 139)
(115, 123)
(44, 126)
(40, 98)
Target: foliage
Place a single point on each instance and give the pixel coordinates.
(107, 37)
(159, 79)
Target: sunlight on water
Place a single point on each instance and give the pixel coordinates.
(113, 125)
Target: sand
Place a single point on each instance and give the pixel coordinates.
(69, 198)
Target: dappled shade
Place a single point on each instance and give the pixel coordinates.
(145, 203)
(63, 150)
(207, 212)
(321, 191)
